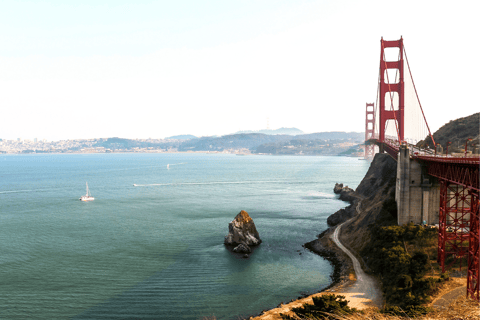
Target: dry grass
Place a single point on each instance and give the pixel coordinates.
(460, 309)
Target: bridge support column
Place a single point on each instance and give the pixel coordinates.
(417, 197)
(402, 192)
(426, 202)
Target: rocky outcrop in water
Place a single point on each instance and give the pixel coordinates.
(346, 193)
(242, 233)
(242, 248)
(342, 215)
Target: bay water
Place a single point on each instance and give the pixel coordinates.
(150, 246)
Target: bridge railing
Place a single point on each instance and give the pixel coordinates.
(427, 153)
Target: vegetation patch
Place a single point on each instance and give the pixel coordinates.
(328, 306)
(400, 256)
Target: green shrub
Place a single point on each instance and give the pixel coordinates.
(444, 276)
(323, 307)
(404, 282)
(418, 264)
(402, 272)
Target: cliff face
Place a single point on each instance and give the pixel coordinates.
(342, 215)
(377, 204)
(373, 202)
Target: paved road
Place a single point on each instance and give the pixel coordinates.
(365, 292)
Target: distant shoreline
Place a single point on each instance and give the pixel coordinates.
(182, 152)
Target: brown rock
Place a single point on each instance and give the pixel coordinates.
(242, 230)
(346, 193)
(242, 248)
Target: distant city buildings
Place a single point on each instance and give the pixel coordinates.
(75, 146)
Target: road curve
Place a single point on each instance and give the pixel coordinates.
(365, 292)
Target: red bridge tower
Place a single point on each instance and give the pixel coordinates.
(369, 131)
(387, 89)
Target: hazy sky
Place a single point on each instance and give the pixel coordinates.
(139, 69)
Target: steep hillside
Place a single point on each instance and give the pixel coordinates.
(376, 202)
(457, 132)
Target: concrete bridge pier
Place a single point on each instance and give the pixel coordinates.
(417, 194)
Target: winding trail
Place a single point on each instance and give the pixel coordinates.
(365, 292)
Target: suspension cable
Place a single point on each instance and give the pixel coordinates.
(376, 103)
(421, 109)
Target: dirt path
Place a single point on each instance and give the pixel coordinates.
(365, 292)
(445, 300)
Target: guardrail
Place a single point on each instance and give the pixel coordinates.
(427, 154)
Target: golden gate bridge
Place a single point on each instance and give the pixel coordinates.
(432, 186)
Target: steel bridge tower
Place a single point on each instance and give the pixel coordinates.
(369, 131)
(387, 89)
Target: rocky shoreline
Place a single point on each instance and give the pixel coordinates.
(373, 201)
(341, 264)
(326, 248)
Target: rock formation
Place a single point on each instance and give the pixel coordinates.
(341, 215)
(346, 193)
(242, 233)
(242, 248)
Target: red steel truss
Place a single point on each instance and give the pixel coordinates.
(461, 171)
(454, 223)
(369, 130)
(459, 214)
(387, 87)
(473, 273)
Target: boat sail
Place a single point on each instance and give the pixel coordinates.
(87, 196)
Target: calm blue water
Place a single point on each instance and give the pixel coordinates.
(155, 250)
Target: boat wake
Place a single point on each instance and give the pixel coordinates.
(221, 182)
(175, 164)
(16, 191)
(318, 195)
(24, 191)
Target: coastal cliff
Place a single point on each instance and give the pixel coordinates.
(375, 205)
(373, 202)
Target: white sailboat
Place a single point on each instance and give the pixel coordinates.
(87, 196)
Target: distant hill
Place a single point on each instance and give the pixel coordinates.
(182, 137)
(287, 131)
(264, 143)
(235, 141)
(334, 135)
(128, 144)
(457, 132)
